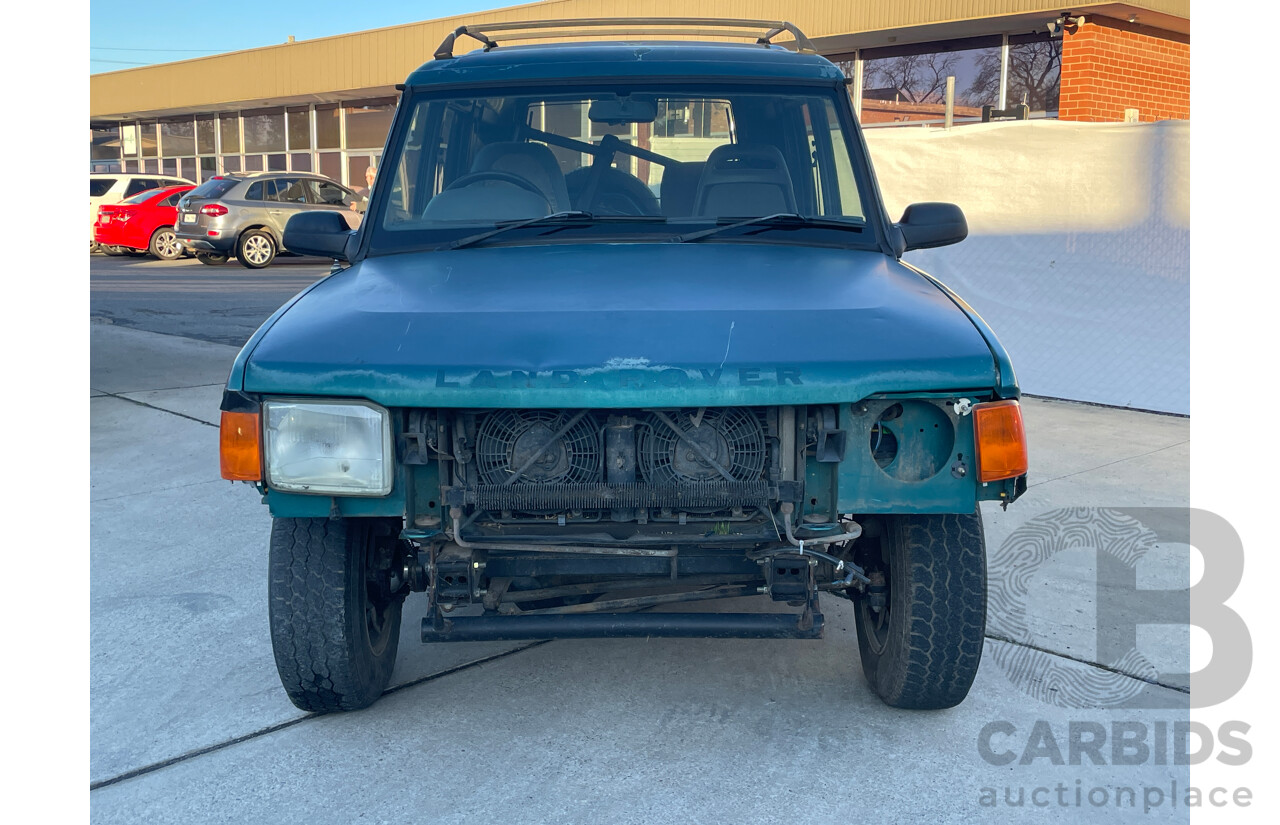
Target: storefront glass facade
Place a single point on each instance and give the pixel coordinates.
(891, 84)
(907, 84)
(337, 141)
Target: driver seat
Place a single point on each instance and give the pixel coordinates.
(532, 161)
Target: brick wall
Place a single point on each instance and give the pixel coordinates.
(1110, 65)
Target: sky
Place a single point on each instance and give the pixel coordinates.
(124, 34)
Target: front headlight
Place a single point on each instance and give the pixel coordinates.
(333, 447)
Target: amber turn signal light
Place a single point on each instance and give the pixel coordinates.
(1000, 440)
(240, 446)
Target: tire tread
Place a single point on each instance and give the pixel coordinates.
(316, 640)
(933, 651)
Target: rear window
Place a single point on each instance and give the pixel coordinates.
(99, 186)
(213, 188)
(141, 197)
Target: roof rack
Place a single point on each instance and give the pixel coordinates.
(625, 26)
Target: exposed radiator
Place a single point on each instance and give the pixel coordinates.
(704, 495)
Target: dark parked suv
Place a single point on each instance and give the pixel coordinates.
(245, 214)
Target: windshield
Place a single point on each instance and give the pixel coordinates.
(637, 160)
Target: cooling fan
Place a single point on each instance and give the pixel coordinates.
(701, 445)
(509, 440)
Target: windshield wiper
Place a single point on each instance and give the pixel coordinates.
(793, 219)
(568, 215)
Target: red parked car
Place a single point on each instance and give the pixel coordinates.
(143, 222)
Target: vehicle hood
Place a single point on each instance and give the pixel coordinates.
(619, 325)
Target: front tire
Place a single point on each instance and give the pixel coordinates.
(334, 629)
(164, 244)
(113, 251)
(921, 648)
(211, 258)
(256, 249)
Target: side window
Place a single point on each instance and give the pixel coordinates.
(139, 185)
(850, 203)
(429, 159)
(172, 200)
(255, 192)
(100, 186)
(330, 194)
(290, 190)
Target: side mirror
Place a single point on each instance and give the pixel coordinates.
(926, 225)
(325, 234)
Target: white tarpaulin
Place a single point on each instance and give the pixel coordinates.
(1078, 252)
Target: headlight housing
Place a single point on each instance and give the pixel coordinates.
(330, 447)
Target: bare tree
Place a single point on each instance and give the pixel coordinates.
(919, 78)
(1035, 70)
(985, 87)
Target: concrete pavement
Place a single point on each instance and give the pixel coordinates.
(189, 723)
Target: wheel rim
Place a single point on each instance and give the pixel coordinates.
(167, 245)
(876, 622)
(378, 610)
(257, 250)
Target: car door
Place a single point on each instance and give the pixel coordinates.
(286, 197)
(330, 196)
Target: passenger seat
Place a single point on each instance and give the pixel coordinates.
(744, 180)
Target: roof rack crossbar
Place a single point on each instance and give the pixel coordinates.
(623, 26)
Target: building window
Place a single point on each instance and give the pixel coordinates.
(299, 129)
(328, 128)
(177, 138)
(129, 140)
(264, 131)
(205, 142)
(331, 165)
(368, 123)
(909, 83)
(104, 143)
(1035, 72)
(356, 167)
(229, 133)
(147, 144)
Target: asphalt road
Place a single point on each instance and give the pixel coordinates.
(220, 304)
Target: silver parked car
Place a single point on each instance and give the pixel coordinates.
(244, 214)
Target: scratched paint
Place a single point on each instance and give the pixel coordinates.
(621, 325)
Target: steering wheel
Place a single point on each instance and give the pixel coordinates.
(616, 193)
(504, 177)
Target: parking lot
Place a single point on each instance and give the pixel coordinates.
(189, 721)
